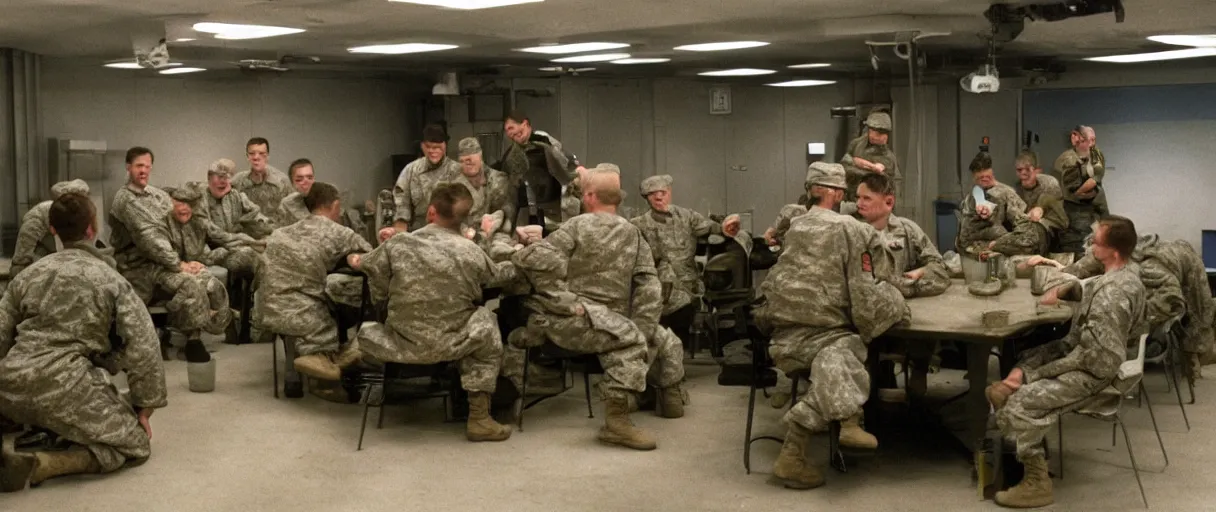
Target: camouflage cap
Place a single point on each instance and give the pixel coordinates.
(222, 167)
(69, 187)
(880, 121)
(186, 195)
(826, 175)
(607, 167)
(655, 184)
(469, 146)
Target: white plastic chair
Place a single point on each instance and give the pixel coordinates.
(1171, 360)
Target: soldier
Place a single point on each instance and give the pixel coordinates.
(412, 192)
(230, 209)
(489, 190)
(292, 209)
(543, 177)
(672, 232)
(1044, 200)
(871, 153)
(596, 292)
(54, 319)
(1081, 169)
(432, 279)
(997, 225)
(139, 234)
(34, 239)
(1061, 376)
(292, 295)
(265, 185)
(829, 294)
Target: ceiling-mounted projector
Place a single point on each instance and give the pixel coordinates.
(156, 56)
(447, 86)
(984, 79)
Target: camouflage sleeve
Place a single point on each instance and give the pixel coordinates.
(1104, 333)
(542, 258)
(784, 217)
(8, 320)
(874, 304)
(149, 234)
(937, 277)
(219, 238)
(356, 243)
(1068, 169)
(498, 274)
(647, 300)
(702, 225)
(1165, 300)
(253, 220)
(404, 210)
(378, 266)
(33, 229)
(565, 160)
(1086, 267)
(141, 352)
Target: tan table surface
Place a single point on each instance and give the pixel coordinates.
(957, 314)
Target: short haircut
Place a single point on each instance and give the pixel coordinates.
(1029, 157)
(257, 140)
(516, 115)
(879, 183)
(981, 162)
(137, 152)
(611, 194)
(296, 164)
(452, 201)
(1086, 131)
(1120, 234)
(434, 134)
(71, 216)
(320, 195)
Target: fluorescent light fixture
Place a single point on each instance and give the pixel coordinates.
(1154, 56)
(812, 65)
(183, 40)
(557, 49)
(398, 49)
(559, 69)
(1196, 40)
(130, 64)
(180, 71)
(598, 57)
(235, 31)
(802, 83)
(654, 60)
(717, 47)
(738, 72)
(468, 4)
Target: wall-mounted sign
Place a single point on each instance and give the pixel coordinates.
(719, 100)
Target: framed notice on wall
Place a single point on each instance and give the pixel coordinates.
(719, 100)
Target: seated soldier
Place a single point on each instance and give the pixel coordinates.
(230, 209)
(1063, 375)
(999, 223)
(291, 293)
(55, 318)
(488, 188)
(34, 239)
(1044, 201)
(775, 234)
(432, 279)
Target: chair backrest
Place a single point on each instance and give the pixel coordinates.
(1135, 367)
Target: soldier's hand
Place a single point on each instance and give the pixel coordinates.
(386, 234)
(770, 236)
(145, 417)
(879, 168)
(983, 211)
(730, 225)
(915, 275)
(1050, 297)
(470, 233)
(354, 260)
(1014, 380)
(1035, 214)
(487, 224)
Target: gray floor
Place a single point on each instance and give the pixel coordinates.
(239, 449)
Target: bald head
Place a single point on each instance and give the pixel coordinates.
(1084, 138)
(602, 189)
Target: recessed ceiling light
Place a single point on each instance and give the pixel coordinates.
(468, 4)
(1199, 40)
(1154, 56)
(599, 57)
(654, 60)
(738, 72)
(810, 66)
(130, 64)
(236, 31)
(802, 83)
(179, 71)
(398, 49)
(559, 69)
(183, 40)
(573, 48)
(717, 47)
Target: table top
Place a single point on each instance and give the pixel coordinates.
(957, 315)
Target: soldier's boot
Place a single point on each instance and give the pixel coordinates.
(792, 469)
(671, 402)
(482, 427)
(853, 436)
(320, 366)
(350, 354)
(196, 352)
(1033, 491)
(998, 393)
(619, 430)
(778, 399)
(16, 468)
(328, 390)
(74, 461)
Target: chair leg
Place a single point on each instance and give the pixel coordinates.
(587, 392)
(1060, 443)
(274, 360)
(367, 399)
(523, 393)
(1154, 418)
(1112, 436)
(383, 401)
(835, 458)
(1132, 455)
(747, 434)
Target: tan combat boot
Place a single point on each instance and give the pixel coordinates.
(791, 469)
(350, 354)
(671, 402)
(320, 366)
(619, 430)
(853, 436)
(778, 399)
(998, 393)
(1033, 491)
(74, 461)
(15, 467)
(482, 427)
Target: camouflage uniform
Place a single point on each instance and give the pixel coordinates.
(1047, 195)
(542, 163)
(1062, 375)
(1082, 212)
(34, 239)
(673, 236)
(412, 192)
(1008, 225)
(829, 294)
(433, 279)
(912, 249)
(54, 319)
(292, 281)
(879, 154)
(236, 213)
(266, 194)
(292, 210)
(489, 196)
(785, 216)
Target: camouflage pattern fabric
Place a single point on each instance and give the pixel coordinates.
(879, 154)
(1082, 211)
(1047, 195)
(489, 191)
(1007, 225)
(266, 192)
(560, 164)
(912, 249)
(54, 319)
(412, 192)
(292, 210)
(237, 213)
(784, 217)
(673, 237)
(34, 238)
(666, 355)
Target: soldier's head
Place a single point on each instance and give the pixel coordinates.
(323, 199)
(878, 128)
(183, 199)
(825, 185)
(139, 166)
(517, 127)
(219, 177)
(1083, 139)
(469, 150)
(981, 170)
(1114, 239)
(875, 197)
(73, 218)
(450, 204)
(657, 191)
(301, 175)
(257, 150)
(434, 143)
(602, 189)
(1027, 168)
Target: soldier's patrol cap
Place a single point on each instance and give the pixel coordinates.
(222, 167)
(184, 194)
(69, 187)
(469, 146)
(826, 175)
(880, 121)
(655, 183)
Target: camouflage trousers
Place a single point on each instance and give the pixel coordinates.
(344, 289)
(621, 347)
(321, 337)
(836, 359)
(241, 260)
(666, 355)
(477, 349)
(197, 302)
(1030, 412)
(1081, 218)
(66, 394)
